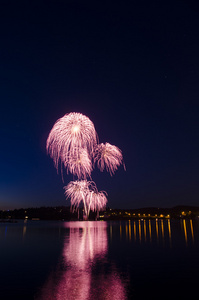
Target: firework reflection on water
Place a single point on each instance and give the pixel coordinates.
(86, 247)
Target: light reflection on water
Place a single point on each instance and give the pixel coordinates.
(98, 260)
(85, 245)
(158, 230)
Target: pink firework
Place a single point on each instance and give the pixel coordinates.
(86, 191)
(79, 164)
(78, 191)
(69, 135)
(73, 143)
(108, 156)
(97, 200)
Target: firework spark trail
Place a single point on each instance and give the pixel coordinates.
(79, 164)
(108, 156)
(73, 143)
(86, 191)
(98, 200)
(69, 135)
(77, 191)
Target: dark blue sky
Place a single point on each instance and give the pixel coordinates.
(133, 69)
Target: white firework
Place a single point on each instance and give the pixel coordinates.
(108, 156)
(69, 135)
(97, 200)
(85, 191)
(79, 164)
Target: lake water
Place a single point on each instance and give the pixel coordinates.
(46, 260)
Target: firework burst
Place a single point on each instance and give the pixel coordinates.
(73, 143)
(86, 191)
(79, 164)
(97, 200)
(69, 135)
(78, 191)
(108, 156)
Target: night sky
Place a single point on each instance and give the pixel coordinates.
(133, 69)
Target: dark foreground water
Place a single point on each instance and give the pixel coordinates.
(99, 260)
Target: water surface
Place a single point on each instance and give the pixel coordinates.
(99, 260)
